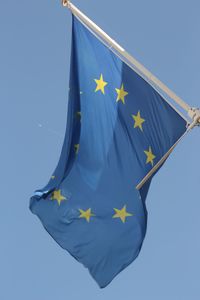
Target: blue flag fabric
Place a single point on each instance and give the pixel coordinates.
(118, 128)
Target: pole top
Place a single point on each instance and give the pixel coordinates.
(65, 3)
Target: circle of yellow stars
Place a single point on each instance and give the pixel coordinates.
(122, 213)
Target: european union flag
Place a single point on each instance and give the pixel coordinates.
(118, 129)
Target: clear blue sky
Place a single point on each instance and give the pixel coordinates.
(34, 72)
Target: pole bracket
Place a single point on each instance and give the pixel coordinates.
(65, 3)
(194, 114)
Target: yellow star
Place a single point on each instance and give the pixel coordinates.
(53, 177)
(86, 214)
(121, 94)
(76, 148)
(138, 121)
(56, 195)
(150, 156)
(100, 84)
(122, 214)
(78, 113)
